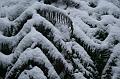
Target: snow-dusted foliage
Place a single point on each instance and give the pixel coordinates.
(112, 68)
(59, 39)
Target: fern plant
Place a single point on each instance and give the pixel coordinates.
(47, 41)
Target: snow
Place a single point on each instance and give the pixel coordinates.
(81, 20)
(37, 57)
(79, 76)
(65, 32)
(116, 69)
(4, 23)
(113, 63)
(35, 73)
(16, 6)
(5, 60)
(46, 45)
